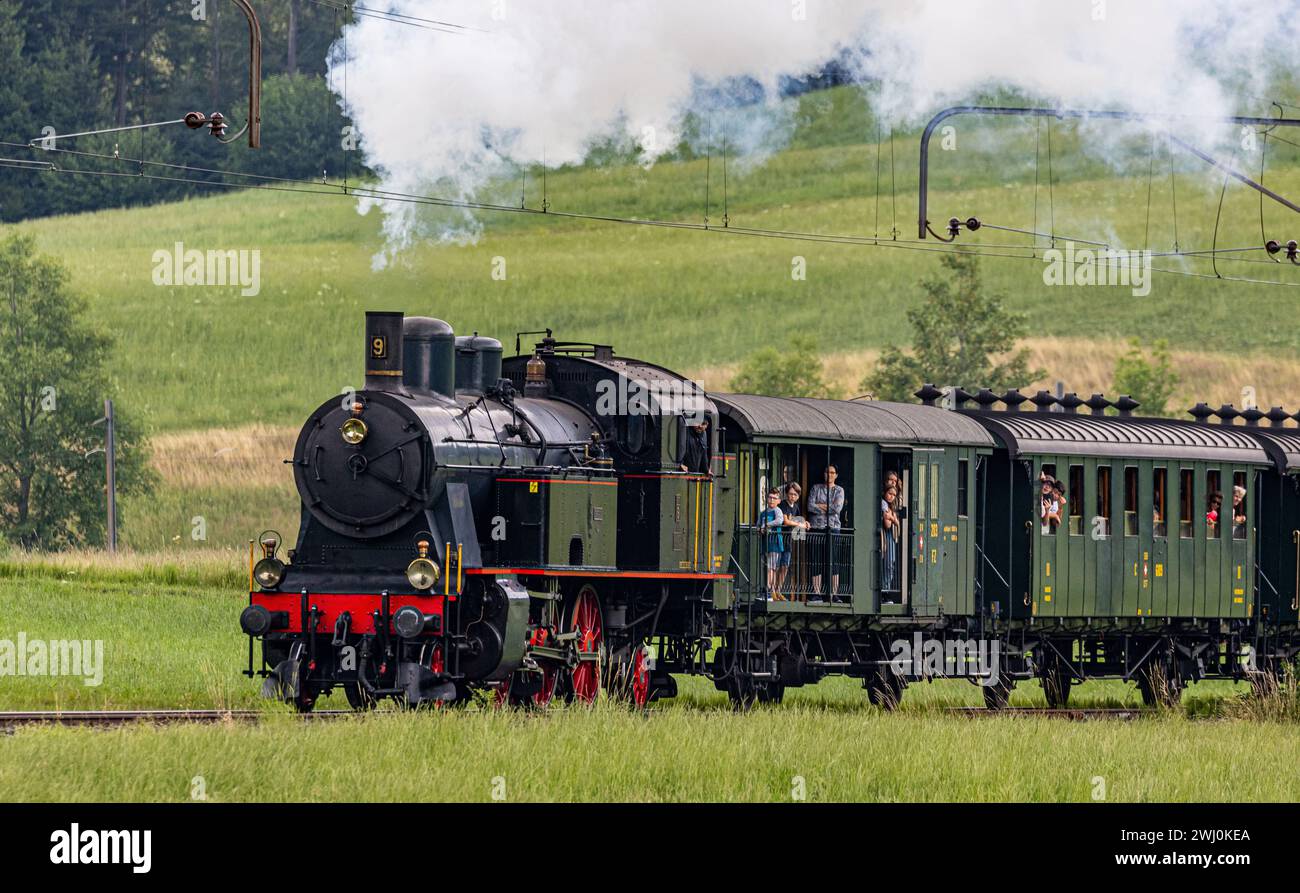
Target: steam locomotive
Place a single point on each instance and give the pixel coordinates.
(570, 522)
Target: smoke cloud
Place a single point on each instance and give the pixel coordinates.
(542, 80)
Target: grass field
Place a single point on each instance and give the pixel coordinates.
(176, 644)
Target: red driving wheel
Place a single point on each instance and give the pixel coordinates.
(540, 698)
(585, 620)
(640, 679)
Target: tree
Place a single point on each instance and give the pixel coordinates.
(1147, 375)
(796, 372)
(52, 493)
(958, 331)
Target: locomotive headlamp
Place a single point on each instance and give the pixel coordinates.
(354, 431)
(268, 572)
(422, 573)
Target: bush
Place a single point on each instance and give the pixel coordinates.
(794, 372)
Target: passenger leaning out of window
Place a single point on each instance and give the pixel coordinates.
(1239, 512)
(1212, 512)
(1049, 505)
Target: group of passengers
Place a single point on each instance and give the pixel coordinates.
(1214, 511)
(1052, 508)
(784, 522)
(1052, 502)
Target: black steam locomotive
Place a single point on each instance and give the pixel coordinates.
(570, 521)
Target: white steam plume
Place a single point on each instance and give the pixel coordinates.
(543, 79)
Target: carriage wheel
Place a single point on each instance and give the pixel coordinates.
(884, 689)
(1056, 689)
(1057, 682)
(585, 619)
(1159, 684)
(998, 695)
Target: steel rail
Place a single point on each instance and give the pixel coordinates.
(14, 718)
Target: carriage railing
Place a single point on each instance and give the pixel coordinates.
(795, 565)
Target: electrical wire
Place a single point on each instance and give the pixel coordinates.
(397, 17)
(320, 187)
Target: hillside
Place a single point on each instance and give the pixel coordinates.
(247, 369)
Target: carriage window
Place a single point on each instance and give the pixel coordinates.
(1102, 520)
(1213, 504)
(1185, 495)
(934, 491)
(1158, 511)
(1074, 500)
(963, 469)
(1130, 501)
(1240, 517)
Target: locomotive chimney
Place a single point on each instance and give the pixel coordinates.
(384, 351)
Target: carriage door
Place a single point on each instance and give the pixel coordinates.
(927, 558)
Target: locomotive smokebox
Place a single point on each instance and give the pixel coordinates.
(430, 362)
(384, 351)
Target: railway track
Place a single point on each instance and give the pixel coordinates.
(104, 718)
(13, 719)
(1078, 714)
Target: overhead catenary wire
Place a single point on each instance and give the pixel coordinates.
(397, 17)
(38, 141)
(315, 187)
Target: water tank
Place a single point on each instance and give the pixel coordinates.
(429, 361)
(478, 362)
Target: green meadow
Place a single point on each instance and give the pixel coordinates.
(176, 644)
